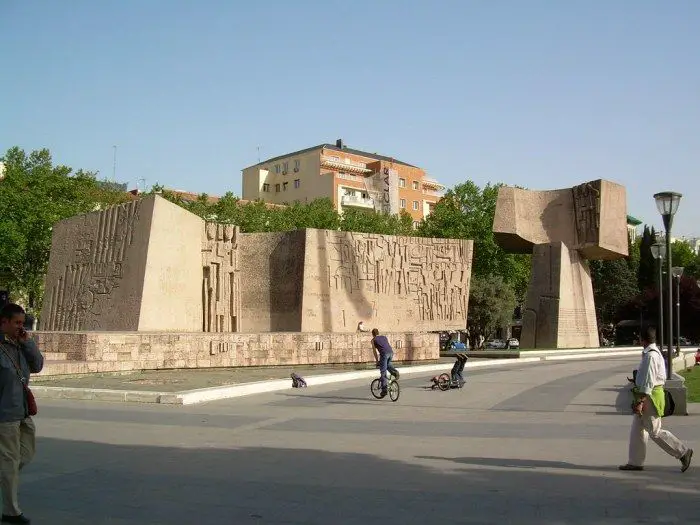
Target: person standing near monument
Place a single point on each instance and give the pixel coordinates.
(383, 353)
(19, 357)
(648, 408)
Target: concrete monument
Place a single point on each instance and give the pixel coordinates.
(562, 229)
(151, 266)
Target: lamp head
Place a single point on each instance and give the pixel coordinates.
(677, 271)
(667, 202)
(658, 250)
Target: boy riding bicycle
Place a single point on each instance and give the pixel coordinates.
(383, 353)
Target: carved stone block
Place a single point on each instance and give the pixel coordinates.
(562, 228)
(152, 266)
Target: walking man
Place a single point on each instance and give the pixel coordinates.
(383, 353)
(648, 407)
(19, 357)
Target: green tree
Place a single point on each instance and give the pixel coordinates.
(491, 302)
(693, 268)
(373, 222)
(34, 195)
(646, 276)
(683, 255)
(467, 212)
(614, 285)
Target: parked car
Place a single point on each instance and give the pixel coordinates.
(496, 343)
(513, 343)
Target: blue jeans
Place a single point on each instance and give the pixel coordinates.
(384, 365)
(457, 370)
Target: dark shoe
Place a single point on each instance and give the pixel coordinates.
(15, 519)
(685, 460)
(396, 374)
(630, 467)
(384, 393)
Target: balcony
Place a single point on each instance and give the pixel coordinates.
(357, 202)
(432, 193)
(432, 185)
(348, 176)
(344, 165)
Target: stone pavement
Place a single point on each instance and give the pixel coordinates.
(194, 378)
(521, 445)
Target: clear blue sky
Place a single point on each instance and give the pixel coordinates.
(543, 94)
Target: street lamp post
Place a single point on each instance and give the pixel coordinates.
(677, 274)
(658, 251)
(667, 203)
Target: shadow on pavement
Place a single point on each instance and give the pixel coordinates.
(94, 483)
(519, 463)
(623, 401)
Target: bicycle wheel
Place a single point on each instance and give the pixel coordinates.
(376, 388)
(394, 390)
(444, 382)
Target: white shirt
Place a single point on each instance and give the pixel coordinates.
(652, 370)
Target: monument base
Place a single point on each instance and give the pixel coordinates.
(68, 353)
(560, 309)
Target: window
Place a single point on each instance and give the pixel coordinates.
(297, 183)
(266, 187)
(284, 187)
(277, 188)
(285, 168)
(403, 203)
(402, 183)
(416, 224)
(415, 205)
(297, 163)
(277, 168)
(415, 184)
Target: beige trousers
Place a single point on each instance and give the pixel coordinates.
(17, 445)
(649, 425)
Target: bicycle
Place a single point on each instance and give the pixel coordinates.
(446, 382)
(454, 379)
(393, 387)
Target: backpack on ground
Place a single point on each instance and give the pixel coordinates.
(298, 381)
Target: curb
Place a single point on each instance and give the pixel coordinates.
(202, 395)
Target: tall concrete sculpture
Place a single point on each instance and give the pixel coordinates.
(562, 229)
(150, 265)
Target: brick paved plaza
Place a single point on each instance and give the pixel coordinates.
(529, 444)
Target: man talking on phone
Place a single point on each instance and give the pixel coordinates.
(19, 357)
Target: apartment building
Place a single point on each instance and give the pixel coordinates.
(632, 225)
(350, 178)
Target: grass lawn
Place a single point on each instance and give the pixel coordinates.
(692, 383)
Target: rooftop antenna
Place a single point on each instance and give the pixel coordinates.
(258, 154)
(114, 165)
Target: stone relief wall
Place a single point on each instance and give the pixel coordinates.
(150, 265)
(221, 290)
(93, 250)
(392, 281)
(272, 266)
(587, 212)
